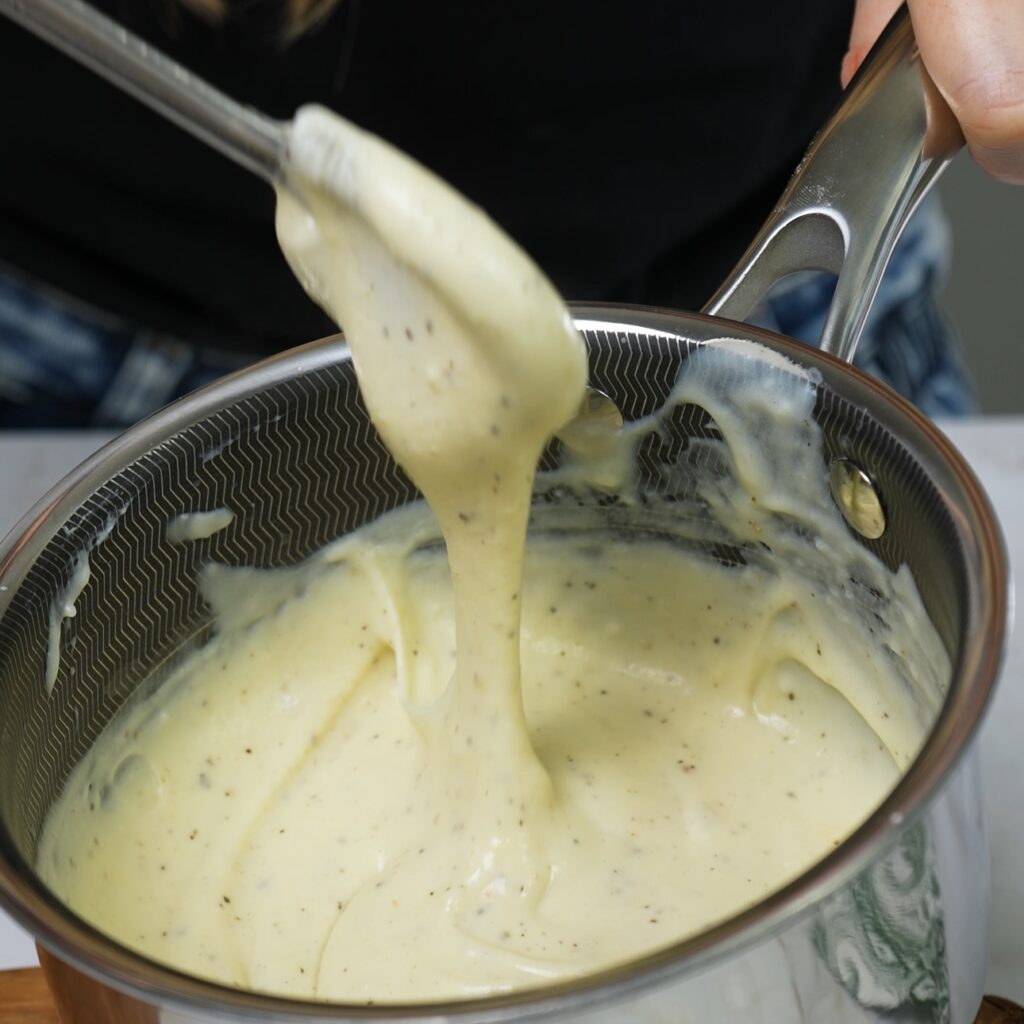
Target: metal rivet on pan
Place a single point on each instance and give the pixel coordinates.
(598, 407)
(855, 494)
(594, 426)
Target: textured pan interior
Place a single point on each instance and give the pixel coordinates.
(299, 465)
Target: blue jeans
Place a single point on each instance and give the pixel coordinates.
(65, 365)
(907, 341)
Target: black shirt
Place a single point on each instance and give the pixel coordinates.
(632, 147)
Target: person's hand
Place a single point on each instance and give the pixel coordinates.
(974, 51)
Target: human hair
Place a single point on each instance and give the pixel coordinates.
(294, 17)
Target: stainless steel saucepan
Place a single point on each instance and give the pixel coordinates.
(889, 927)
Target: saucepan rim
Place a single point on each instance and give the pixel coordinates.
(75, 942)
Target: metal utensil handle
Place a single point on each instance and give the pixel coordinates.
(255, 141)
(852, 195)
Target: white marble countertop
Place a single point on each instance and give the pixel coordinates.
(30, 463)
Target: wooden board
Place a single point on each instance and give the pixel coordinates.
(25, 999)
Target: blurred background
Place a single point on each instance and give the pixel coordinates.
(985, 294)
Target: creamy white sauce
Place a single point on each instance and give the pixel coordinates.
(64, 607)
(190, 526)
(468, 362)
(65, 604)
(271, 821)
(400, 776)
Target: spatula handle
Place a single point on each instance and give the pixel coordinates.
(246, 136)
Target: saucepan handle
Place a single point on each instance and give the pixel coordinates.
(852, 195)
